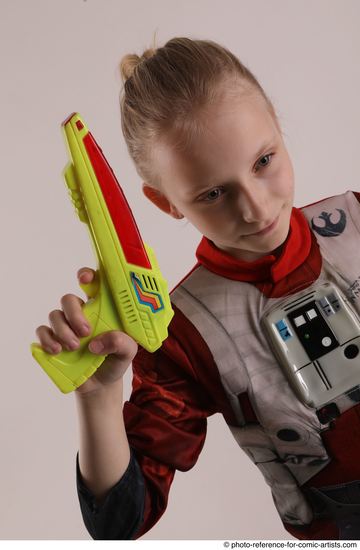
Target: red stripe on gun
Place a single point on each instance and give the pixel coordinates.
(119, 210)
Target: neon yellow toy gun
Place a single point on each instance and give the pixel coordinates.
(129, 292)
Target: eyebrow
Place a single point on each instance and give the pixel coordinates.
(264, 146)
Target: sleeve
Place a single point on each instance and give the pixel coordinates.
(166, 421)
(120, 514)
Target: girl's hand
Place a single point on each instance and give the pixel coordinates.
(68, 324)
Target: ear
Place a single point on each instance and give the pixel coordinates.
(159, 199)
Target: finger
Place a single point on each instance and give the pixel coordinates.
(73, 312)
(116, 343)
(85, 275)
(47, 340)
(62, 331)
(91, 288)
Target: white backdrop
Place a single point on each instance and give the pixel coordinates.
(60, 56)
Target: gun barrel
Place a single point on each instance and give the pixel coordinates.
(112, 193)
(141, 295)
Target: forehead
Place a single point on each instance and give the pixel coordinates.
(228, 133)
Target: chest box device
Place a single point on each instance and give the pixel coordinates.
(315, 335)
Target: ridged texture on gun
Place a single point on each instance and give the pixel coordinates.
(119, 210)
(75, 193)
(148, 328)
(127, 306)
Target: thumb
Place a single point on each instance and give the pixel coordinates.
(116, 343)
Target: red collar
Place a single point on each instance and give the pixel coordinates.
(295, 251)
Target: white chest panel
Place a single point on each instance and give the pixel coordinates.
(286, 444)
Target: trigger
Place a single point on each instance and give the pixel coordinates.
(91, 289)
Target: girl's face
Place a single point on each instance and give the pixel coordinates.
(235, 183)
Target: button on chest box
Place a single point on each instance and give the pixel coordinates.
(315, 335)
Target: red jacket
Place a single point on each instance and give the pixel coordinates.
(176, 388)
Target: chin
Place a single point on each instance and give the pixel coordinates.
(274, 242)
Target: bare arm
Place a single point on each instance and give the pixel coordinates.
(104, 452)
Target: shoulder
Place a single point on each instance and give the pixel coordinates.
(202, 285)
(196, 276)
(341, 196)
(331, 215)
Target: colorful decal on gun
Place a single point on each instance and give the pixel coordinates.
(151, 299)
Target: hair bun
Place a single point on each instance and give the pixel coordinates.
(150, 52)
(128, 64)
(130, 61)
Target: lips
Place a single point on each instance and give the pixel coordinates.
(266, 229)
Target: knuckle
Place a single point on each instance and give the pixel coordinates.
(118, 338)
(65, 331)
(40, 331)
(122, 343)
(65, 338)
(78, 320)
(78, 324)
(72, 306)
(112, 341)
(66, 298)
(60, 326)
(54, 314)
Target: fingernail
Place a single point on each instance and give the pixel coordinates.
(96, 346)
(54, 348)
(82, 274)
(73, 344)
(85, 329)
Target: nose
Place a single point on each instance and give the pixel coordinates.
(254, 203)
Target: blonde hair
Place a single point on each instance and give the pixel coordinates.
(166, 89)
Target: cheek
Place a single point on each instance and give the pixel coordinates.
(198, 219)
(284, 182)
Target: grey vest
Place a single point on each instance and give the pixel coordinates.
(227, 314)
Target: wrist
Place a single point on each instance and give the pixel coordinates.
(104, 392)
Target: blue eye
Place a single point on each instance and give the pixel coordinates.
(264, 157)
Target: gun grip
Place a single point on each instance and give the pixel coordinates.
(69, 369)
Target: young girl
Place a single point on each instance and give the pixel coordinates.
(206, 141)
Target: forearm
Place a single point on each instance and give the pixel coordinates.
(104, 452)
